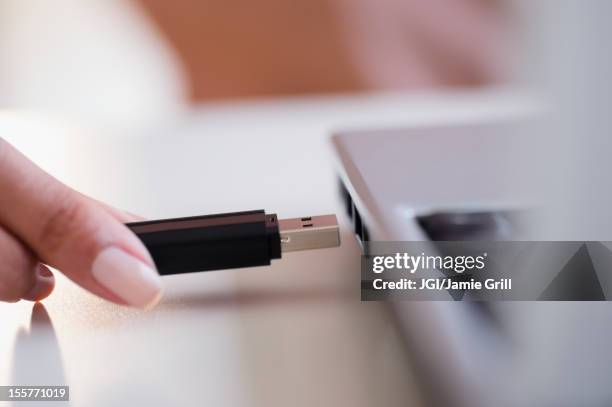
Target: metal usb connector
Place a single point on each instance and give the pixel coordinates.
(313, 232)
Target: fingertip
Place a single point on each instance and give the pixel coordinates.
(43, 286)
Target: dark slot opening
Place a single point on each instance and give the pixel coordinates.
(346, 197)
(308, 225)
(357, 223)
(365, 235)
(306, 219)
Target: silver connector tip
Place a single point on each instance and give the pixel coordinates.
(312, 232)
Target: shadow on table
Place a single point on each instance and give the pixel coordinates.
(37, 358)
(259, 297)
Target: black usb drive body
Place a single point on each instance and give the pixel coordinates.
(231, 240)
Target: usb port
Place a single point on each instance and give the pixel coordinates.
(357, 222)
(365, 234)
(346, 198)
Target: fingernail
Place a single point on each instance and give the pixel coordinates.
(43, 286)
(137, 283)
(44, 271)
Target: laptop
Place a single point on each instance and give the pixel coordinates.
(469, 181)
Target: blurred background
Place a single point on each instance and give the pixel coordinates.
(138, 60)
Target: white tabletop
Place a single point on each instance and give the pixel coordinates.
(292, 334)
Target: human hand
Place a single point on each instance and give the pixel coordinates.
(44, 222)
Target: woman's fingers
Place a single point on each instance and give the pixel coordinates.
(20, 273)
(71, 233)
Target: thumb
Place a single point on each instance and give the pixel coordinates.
(71, 233)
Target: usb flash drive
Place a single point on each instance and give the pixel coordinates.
(231, 240)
